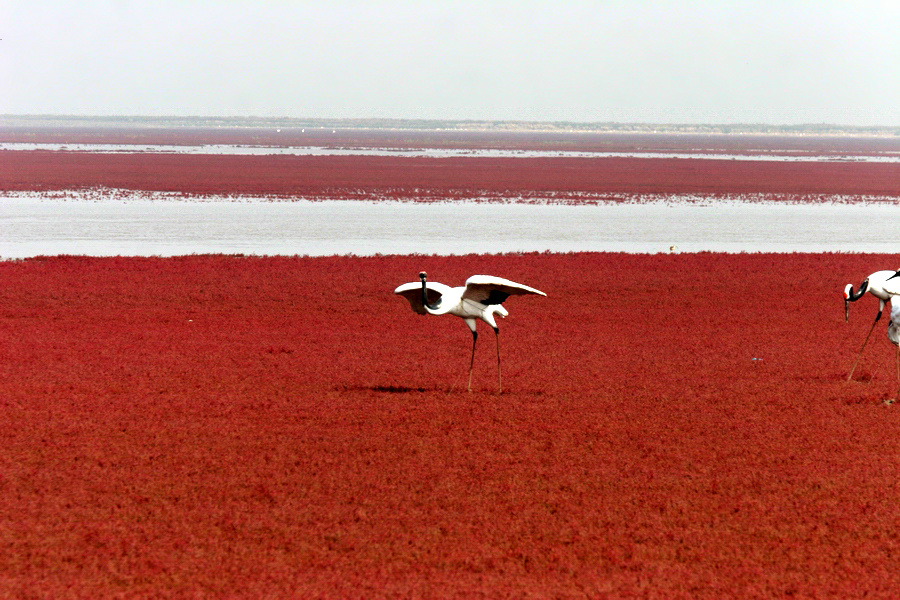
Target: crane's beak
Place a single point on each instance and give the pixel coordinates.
(846, 310)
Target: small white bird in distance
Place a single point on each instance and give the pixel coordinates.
(481, 298)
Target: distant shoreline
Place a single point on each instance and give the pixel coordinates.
(73, 121)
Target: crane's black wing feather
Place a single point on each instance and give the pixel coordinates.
(487, 289)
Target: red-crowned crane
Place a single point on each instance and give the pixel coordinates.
(481, 298)
(894, 331)
(892, 288)
(875, 285)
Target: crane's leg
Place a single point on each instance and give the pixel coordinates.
(898, 363)
(472, 361)
(499, 374)
(897, 354)
(850, 377)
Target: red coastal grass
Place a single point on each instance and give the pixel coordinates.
(425, 179)
(671, 425)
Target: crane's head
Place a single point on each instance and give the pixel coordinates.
(847, 291)
(423, 275)
(851, 296)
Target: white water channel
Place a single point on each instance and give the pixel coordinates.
(252, 150)
(31, 225)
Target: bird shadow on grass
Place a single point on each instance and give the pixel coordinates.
(404, 389)
(864, 388)
(863, 377)
(386, 389)
(859, 377)
(885, 398)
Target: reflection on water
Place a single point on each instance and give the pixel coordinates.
(32, 226)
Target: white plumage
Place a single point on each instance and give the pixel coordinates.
(884, 285)
(894, 327)
(894, 330)
(874, 284)
(481, 298)
(892, 287)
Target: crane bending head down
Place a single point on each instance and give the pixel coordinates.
(874, 284)
(883, 286)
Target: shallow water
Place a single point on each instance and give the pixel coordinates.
(251, 150)
(146, 227)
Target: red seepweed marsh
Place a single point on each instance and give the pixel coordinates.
(671, 424)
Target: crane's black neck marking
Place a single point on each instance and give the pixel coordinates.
(436, 304)
(859, 294)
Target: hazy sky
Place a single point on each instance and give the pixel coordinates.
(776, 62)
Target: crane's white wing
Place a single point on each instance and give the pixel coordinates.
(412, 291)
(894, 327)
(487, 289)
(892, 286)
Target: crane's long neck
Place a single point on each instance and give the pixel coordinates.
(849, 297)
(853, 297)
(434, 306)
